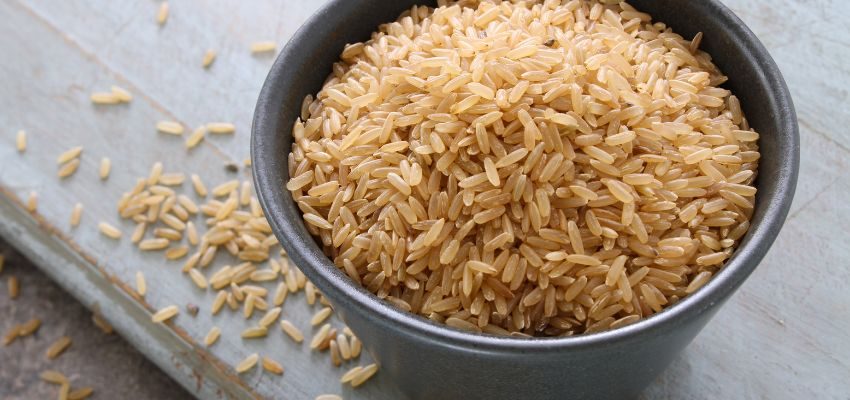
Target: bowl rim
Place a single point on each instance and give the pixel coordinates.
(338, 286)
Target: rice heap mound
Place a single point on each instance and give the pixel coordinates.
(526, 168)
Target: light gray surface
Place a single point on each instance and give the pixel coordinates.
(784, 335)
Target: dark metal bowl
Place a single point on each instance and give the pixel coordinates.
(431, 361)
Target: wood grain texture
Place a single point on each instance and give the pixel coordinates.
(783, 335)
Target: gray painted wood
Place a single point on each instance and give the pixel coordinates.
(783, 335)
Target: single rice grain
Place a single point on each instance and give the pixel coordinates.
(209, 58)
(105, 167)
(54, 377)
(220, 127)
(104, 98)
(364, 375)
(291, 331)
(199, 186)
(57, 347)
(162, 13)
(101, 323)
(212, 336)
(32, 202)
(272, 366)
(263, 47)
(29, 327)
(141, 285)
(196, 137)
(81, 393)
(68, 168)
(165, 313)
(70, 154)
(123, 95)
(170, 127)
(21, 141)
(248, 363)
(109, 230)
(13, 287)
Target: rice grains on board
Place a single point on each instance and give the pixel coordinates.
(479, 168)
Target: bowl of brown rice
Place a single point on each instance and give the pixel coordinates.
(531, 199)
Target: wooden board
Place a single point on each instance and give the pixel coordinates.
(782, 336)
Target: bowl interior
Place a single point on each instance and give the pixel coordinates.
(302, 67)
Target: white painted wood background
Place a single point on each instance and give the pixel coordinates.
(785, 334)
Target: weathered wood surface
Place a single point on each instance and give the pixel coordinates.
(784, 335)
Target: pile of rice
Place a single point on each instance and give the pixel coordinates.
(526, 168)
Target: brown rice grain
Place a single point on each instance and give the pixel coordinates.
(105, 167)
(364, 375)
(220, 127)
(57, 347)
(225, 188)
(320, 336)
(170, 127)
(165, 314)
(68, 168)
(198, 278)
(175, 253)
(272, 366)
(109, 230)
(172, 179)
(209, 58)
(255, 332)
(291, 331)
(350, 374)
(81, 393)
(69, 155)
(212, 336)
(320, 316)
(121, 94)
(263, 47)
(32, 202)
(246, 364)
(199, 186)
(155, 173)
(101, 323)
(11, 335)
(270, 317)
(54, 377)
(29, 327)
(141, 286)
(162, 13)
(154, 244)
(21, 141)
(196, 137)
(104, 98)
(13, 287)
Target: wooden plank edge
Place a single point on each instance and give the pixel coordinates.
(172, 349)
